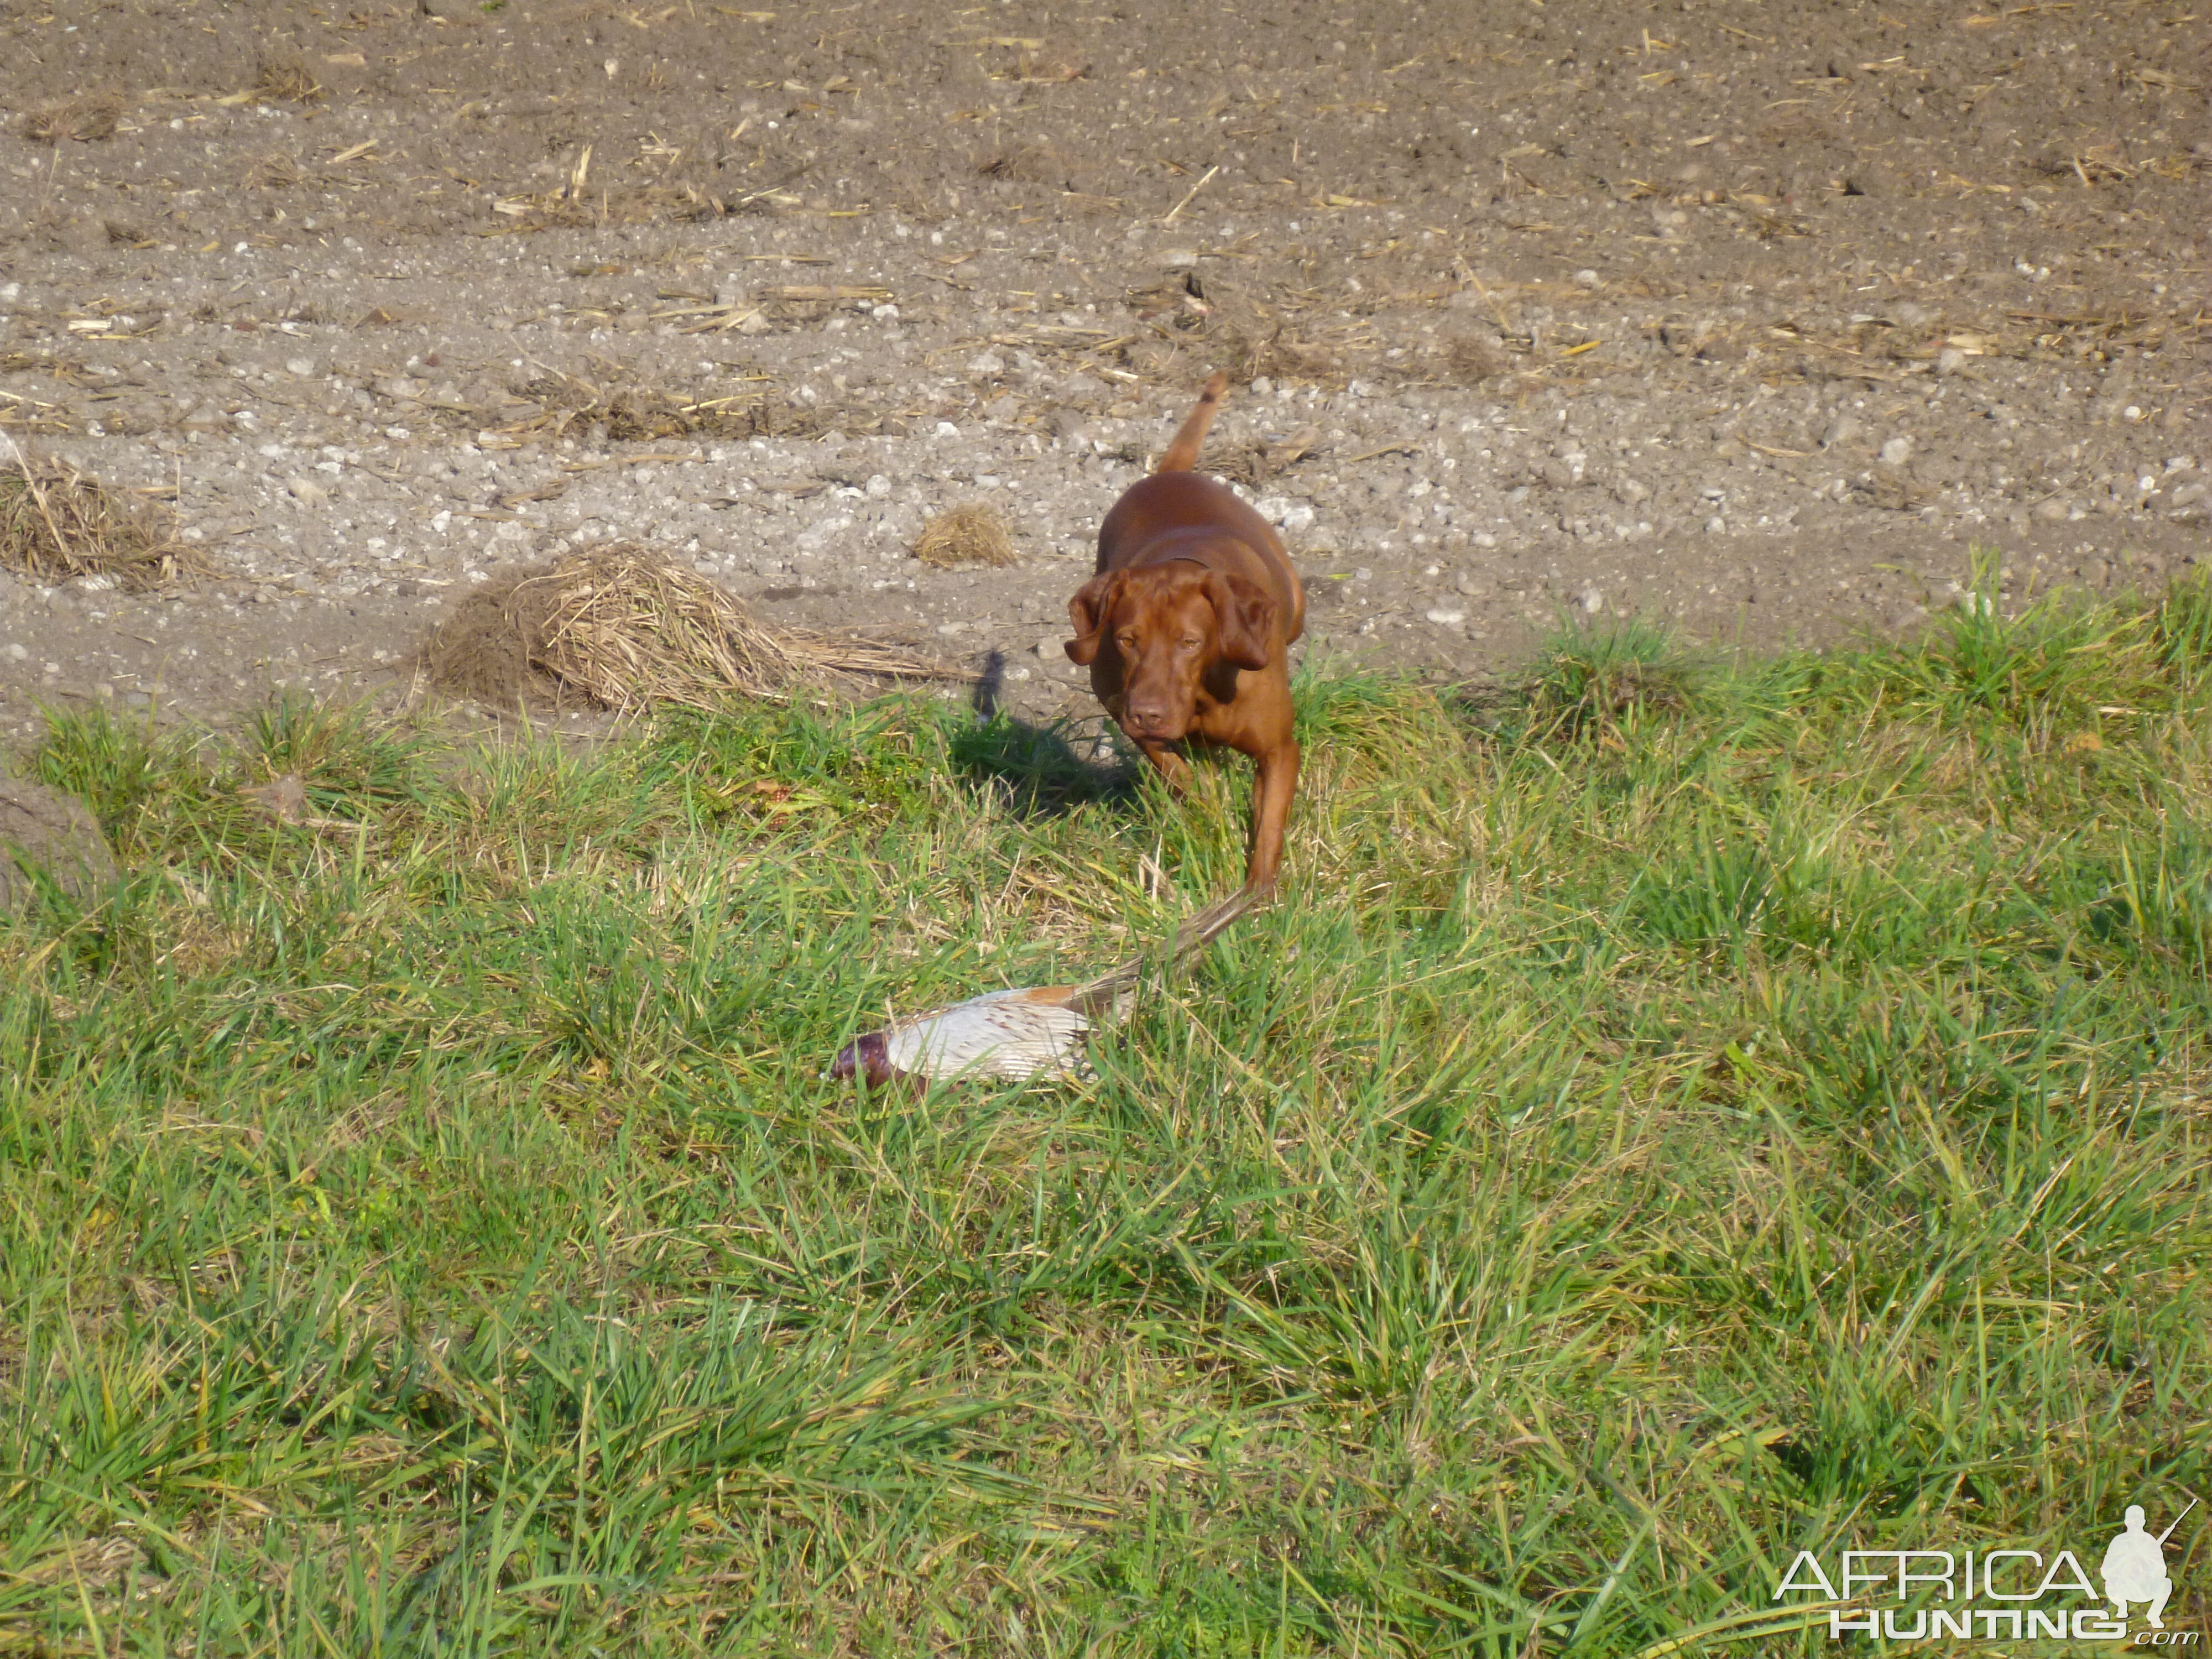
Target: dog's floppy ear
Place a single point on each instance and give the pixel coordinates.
(1245, 617)
(1087, 614)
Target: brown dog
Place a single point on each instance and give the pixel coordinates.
(1187, 625)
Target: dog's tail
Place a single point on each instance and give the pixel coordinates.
(1183, 454)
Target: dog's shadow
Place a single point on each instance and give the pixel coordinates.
(1046, 771)
(1041, 771)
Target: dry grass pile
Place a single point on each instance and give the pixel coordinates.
(1233, 324)
(1471, 359)
(87, 118)
(1075, 179)
(598, 207)
(286, 78)
(56, 525)
(636, 412)
(274, 171)
(970, 533)
(1253, 463)
(617, 626)
(1033, 164)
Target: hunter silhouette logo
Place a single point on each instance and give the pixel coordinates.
(1998, 1595)
(2135, 1567)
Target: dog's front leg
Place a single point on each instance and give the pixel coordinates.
(1172, 766)
(1271, 811)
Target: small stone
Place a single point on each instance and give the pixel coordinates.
(877, 487)
(2132, 413)
(1910, 315)
(18, 653)
(1468, 582)
(1897, 452)
(303, 367)
(755, 323)
(1586, 279)
(2053, 512)
(2095, 572)
(307, 492)
(1716, 525)
(1591, 601)
(1444, 618)
(1950, 360)
(986, 363)
(1177, 258)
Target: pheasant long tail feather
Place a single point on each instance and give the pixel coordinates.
(1100, 994)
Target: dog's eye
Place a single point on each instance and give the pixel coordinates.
(1190, 644)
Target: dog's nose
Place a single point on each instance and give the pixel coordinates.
(1149, 719)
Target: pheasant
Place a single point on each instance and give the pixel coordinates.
(1015, 1035)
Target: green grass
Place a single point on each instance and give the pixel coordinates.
(1679, 1116)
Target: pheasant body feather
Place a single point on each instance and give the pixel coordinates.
(1012, 1036)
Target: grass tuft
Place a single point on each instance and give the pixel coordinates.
(1589, 681)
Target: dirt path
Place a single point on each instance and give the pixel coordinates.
(1751, 317)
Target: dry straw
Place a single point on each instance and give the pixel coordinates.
(617, 626)
(970, 533)
(287, 79)
(56, 525)
(87, 118)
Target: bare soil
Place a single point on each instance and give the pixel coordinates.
(1754, 317)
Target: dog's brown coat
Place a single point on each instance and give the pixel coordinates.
(1186, 627)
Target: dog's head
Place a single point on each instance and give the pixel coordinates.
(1170, 627)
